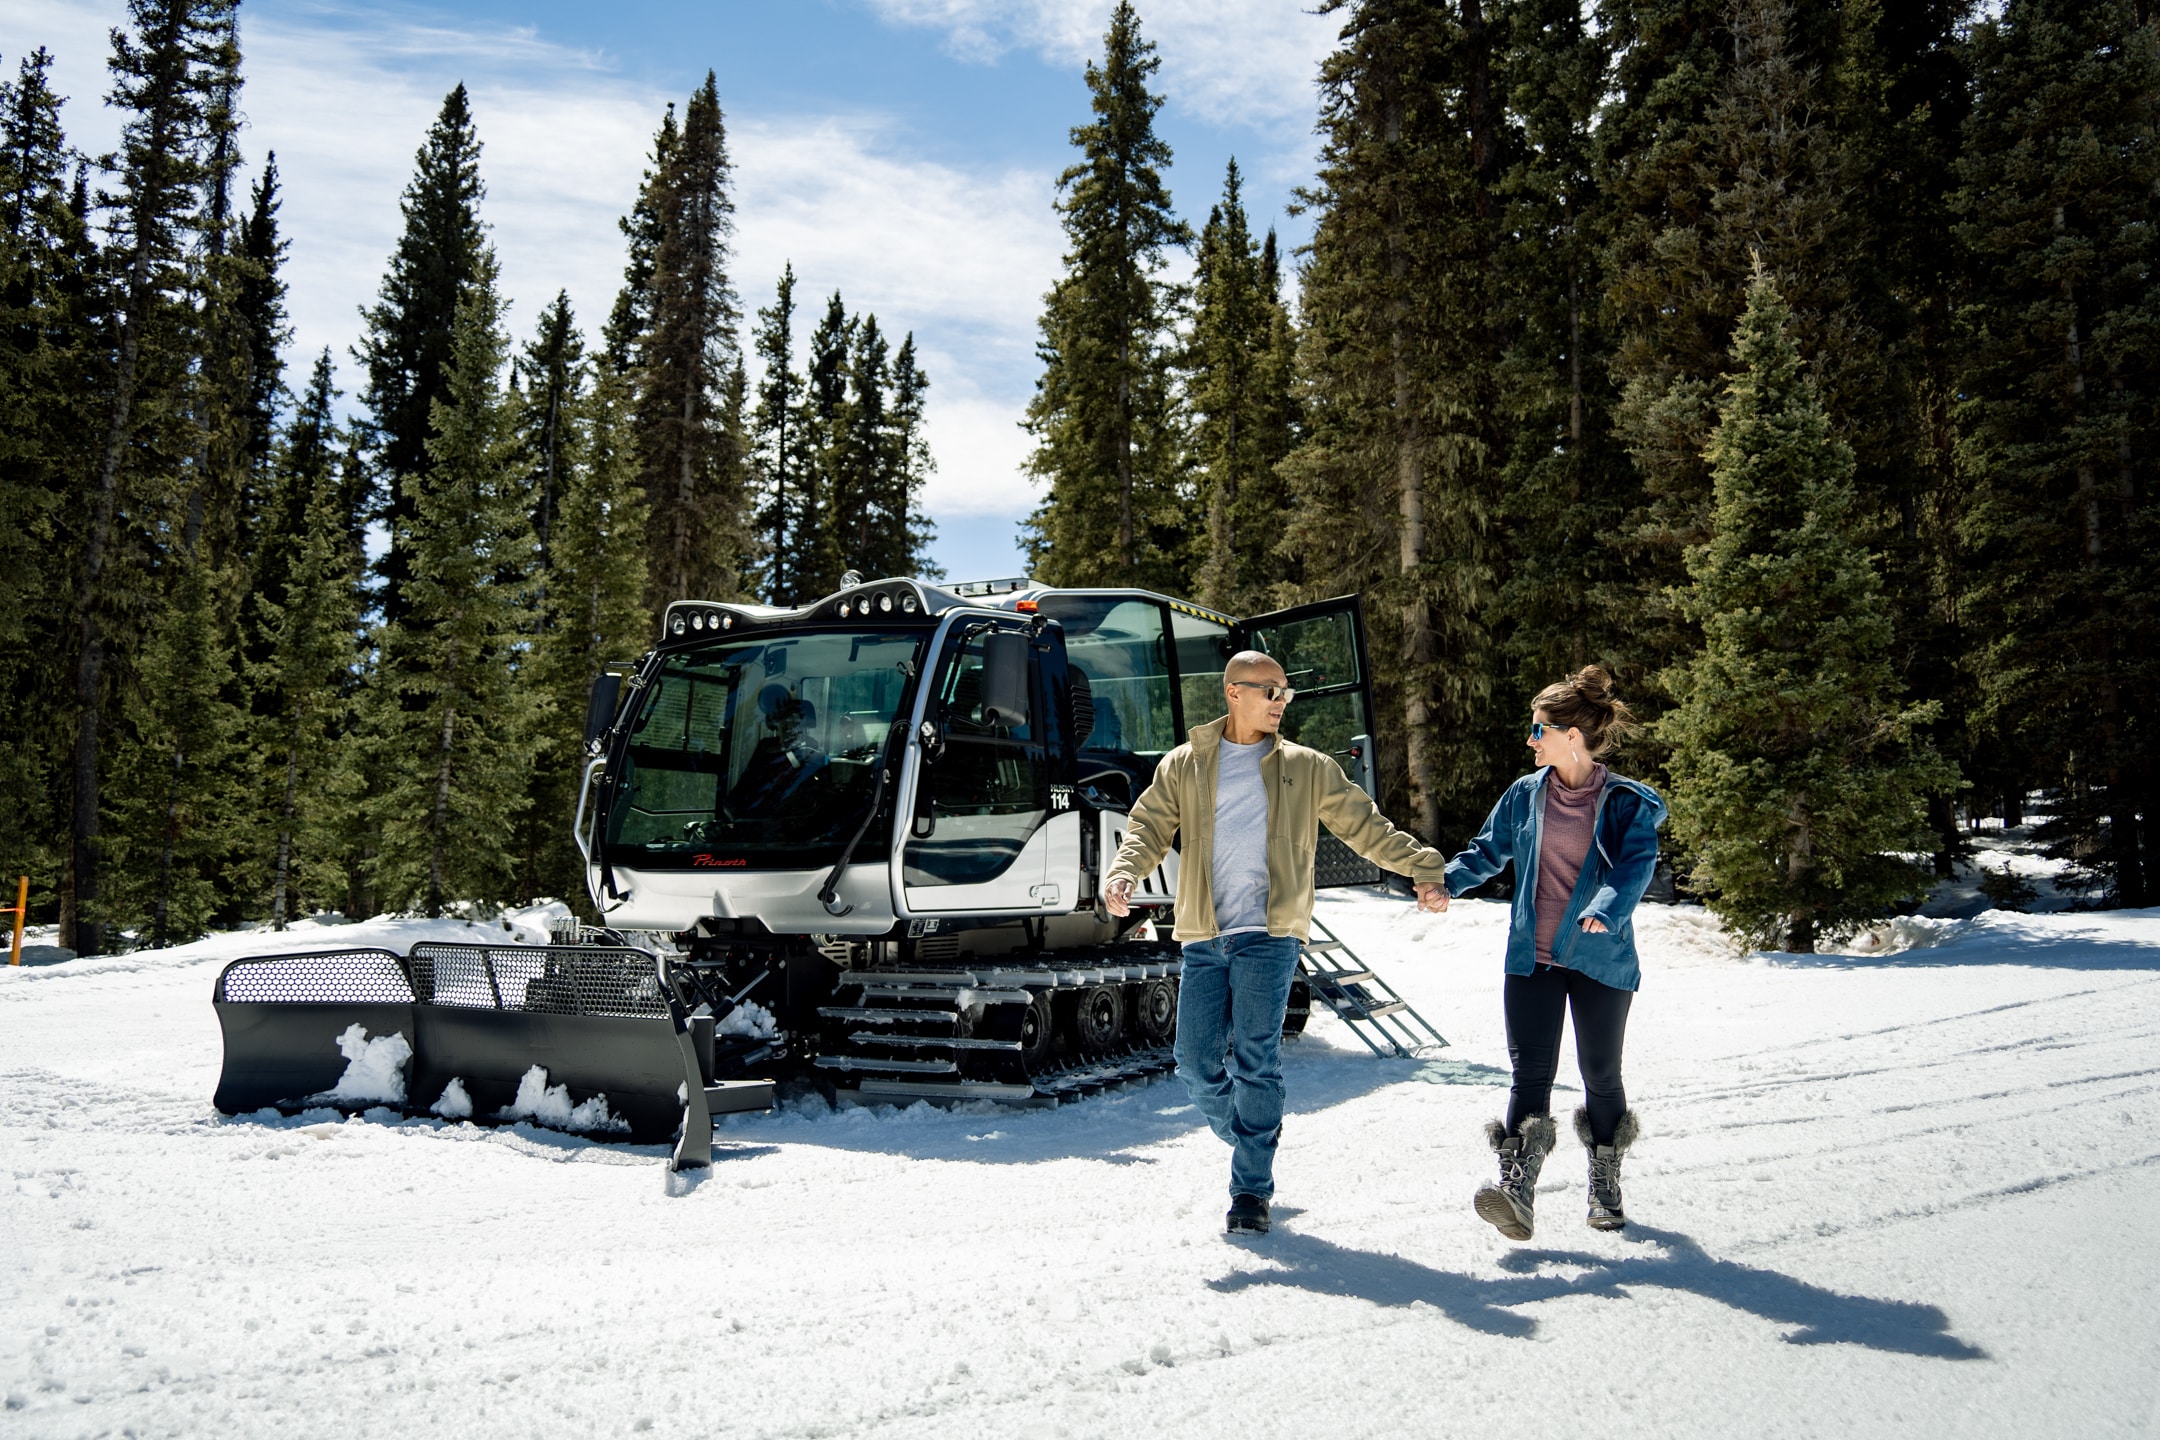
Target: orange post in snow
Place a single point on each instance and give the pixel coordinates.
(22, 907)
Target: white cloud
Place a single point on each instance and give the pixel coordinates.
(345, 96)
(1245, 62)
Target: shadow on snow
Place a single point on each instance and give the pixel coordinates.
(1666, 1259)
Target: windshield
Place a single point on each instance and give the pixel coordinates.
(758, 754)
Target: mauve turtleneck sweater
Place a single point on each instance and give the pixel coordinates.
(1563, 845)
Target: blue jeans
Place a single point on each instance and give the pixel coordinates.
(1230, 1006)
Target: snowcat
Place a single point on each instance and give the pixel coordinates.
(859, 842)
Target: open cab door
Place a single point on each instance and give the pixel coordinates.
(1321, 647)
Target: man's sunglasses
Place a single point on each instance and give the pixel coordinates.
(1272, 691)
(1539, 729)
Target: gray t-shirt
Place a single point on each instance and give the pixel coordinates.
(1239, 874)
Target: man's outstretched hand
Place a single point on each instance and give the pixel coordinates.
(1117, 899)
(1432, 898)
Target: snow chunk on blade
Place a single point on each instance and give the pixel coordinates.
(550, 1105)
(748, 1018)
(374, 1069)
(454, 1104)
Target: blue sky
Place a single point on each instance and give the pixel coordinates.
(904, 152)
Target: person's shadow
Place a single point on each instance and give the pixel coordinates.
(1665, 1259)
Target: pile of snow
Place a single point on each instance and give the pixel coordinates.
(750, 1019)
(374, 1069)
(454, 1103)
(549, 1105)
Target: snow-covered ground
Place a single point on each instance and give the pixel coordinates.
(1902, 1194)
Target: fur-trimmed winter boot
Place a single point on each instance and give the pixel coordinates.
(1507, 1204)
(1605, 1211)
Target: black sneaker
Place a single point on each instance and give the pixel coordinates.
(1248, 1216)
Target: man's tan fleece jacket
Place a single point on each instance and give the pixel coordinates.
(1305, 790)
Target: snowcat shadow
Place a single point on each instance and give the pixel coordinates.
(1135, 1118)
(1821, 1316)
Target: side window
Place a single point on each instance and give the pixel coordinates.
(1123, 648)
(985, 795)
(1319, 652)
(1203, 647)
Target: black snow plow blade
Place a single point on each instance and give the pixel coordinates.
(586, 1038)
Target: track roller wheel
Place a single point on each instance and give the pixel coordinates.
(1038, 1036)
(1155, 1011)
(1098, 1018)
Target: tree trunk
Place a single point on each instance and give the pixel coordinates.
(163, 909)
(1799, 859)
(440, 821)
(85, 935)
(1418, 651)
(284, 839)
(2121, 803)
(1121, 444)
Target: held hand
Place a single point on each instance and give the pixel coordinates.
(1118, 898)
(1592, 925)
(1431, 898)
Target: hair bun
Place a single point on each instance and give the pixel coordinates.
(1593, 683)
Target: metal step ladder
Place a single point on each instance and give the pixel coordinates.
(1366, 1003)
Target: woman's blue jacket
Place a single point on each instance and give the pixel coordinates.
(1623, 856)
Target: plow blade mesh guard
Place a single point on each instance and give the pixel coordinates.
(282, 1016)
(598, 1021)
(595, 1018)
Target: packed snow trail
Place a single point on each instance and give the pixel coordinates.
(1903, 1195)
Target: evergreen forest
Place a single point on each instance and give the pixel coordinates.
(1798, 361)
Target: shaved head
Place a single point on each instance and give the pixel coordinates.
(1251, 665)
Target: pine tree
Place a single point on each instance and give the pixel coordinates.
(554, 364)
(1239, 403)
(311, 626)
(218, 483)
(168, 65)
(455, 725)
(1750, 127)
(280, 525)
(1398, 475)
(694, 461)
(790, 522)
(1106, 437)
(631, 319)
(1796, 774)
(825, 389)
(406, 350)
(870, 540)
(2061, 377)
(175, 809)
(49, 385)
(908, 465)
(596, 616)
(1567, 596)
(261, 308)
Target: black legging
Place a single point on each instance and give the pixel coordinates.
(1535, 1005)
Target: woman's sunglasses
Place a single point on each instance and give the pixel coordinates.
(1539, 729)
(1273, 692)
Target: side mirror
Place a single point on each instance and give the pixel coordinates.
(600, 706)
(1005, 678)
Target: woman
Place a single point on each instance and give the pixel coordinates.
(1584, 844)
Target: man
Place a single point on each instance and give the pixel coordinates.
(1250, 805)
